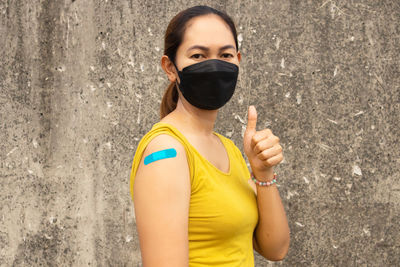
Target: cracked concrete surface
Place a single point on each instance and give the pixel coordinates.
(80, 83)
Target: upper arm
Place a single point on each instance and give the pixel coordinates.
(161, 201)
(255, 244)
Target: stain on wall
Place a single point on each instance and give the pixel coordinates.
(81, 83)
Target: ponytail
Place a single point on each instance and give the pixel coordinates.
(169, 100)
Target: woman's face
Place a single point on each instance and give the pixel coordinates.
(206, 37)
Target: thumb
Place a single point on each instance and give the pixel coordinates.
(251, 119)
(250, 129)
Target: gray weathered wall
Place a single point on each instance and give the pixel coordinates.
(80, 83)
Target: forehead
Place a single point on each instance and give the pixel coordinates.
(207, 30)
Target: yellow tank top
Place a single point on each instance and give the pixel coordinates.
(223, 209)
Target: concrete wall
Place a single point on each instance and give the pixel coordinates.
(80, 83)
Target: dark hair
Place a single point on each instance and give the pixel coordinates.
(173, 39)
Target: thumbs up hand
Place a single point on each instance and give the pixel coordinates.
(262, 148)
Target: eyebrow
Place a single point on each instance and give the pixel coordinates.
(208, 49)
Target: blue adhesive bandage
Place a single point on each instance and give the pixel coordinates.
(162, 154)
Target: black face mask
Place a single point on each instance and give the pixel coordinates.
(208, 84)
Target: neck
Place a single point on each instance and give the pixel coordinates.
(196, 121)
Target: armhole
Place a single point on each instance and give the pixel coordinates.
(142, 147)
(241, 159)
(247, 178)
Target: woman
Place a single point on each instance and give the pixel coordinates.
(195, 203)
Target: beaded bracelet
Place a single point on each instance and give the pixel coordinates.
(261, 183)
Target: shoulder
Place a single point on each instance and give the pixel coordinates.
(164, 142)
(230, 143)
(171, 173)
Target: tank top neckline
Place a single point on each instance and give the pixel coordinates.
(198, 153)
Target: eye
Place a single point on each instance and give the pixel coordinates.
(196, 56)
(227, 55)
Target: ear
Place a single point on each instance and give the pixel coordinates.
(169, 68)
(239, 56)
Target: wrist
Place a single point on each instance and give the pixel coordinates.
(263, 183)
(264, 176)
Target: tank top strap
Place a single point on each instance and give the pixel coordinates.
(228, 143)
(157, 129)
(236, 155)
